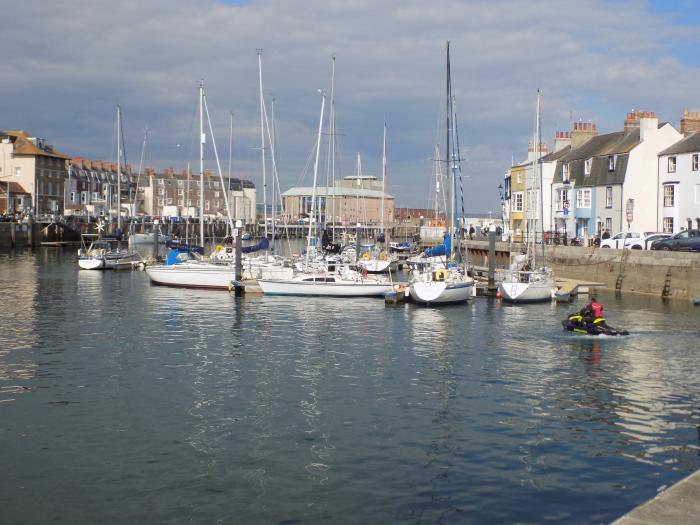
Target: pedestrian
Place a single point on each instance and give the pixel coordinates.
(606, 234)
(471, 232)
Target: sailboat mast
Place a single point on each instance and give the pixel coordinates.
(448, 158)
(119, 171)
(332, 147)
(262, 140)
(383, 225)
(312, 215)
(202, 139)
(230, 156)
(273, 147)
(538, 165)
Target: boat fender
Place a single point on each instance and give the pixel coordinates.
(382, 256)
(364, 272)
(441, 274)
(365, 256)
(218, 248)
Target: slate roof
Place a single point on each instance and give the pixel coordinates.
(599, 149)
(690, 144)
(24, 146)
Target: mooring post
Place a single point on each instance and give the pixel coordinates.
(237, 239)
(156, 234)
(491, 287)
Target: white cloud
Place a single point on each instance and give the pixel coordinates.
(66, 66)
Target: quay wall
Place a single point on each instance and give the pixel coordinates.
(660, 273)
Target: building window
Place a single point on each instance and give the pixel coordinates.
(565, 172)
(181, 202)
(518, 201)
(611, 162)
(180, 183)
(180, 192)
(161, 191)
(587, 166)
(18, 171)
(519, 178)
(216, 194)
(608, 196)
(695, 162)
(669, 194)
(608, 224)
(583, 198)
(672, 164)
(668, 224)
(169, 201)
(160, 202)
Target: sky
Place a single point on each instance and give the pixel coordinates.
(66, 66)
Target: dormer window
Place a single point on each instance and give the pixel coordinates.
(695, 162)
(587, 166)
(611, 162)
(672, 164)
(565, 172)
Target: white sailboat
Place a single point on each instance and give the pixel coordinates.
(445, 281)
(326, 279)
(524, 282)
(107, 253)
(379, 259)
(198, 273)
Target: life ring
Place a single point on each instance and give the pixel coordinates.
(441, 274)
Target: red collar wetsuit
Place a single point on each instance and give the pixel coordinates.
(597, 309)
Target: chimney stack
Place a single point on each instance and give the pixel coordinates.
(582, 132)
(648, 123)
(690, 122)
(562, 139)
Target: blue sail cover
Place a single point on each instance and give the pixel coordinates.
(440, 249)
(264, 244)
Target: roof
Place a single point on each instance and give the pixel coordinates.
(690, 144)
(23, 145)
(15, 188)
(556, 155)
(335, 192)
(598, 149)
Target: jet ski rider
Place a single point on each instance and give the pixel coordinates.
(592, 311)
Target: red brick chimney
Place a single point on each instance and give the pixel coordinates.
(633, 118)
(690, 122)
(582, 132)
(562, 139)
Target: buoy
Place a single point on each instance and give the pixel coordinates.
(499, 295)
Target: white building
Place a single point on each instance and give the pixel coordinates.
(679, 186)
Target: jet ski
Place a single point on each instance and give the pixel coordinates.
(579, 324)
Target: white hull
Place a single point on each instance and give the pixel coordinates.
(147, 238)
(193, 275)
(91, 263)
(340, 288)
(379, 265)
(533, 288)
(441, 292)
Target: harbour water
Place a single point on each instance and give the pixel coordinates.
(122, 402)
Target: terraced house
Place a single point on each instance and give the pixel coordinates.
(33, 173)
(609, 182)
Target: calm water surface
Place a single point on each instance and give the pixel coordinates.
(121, 402)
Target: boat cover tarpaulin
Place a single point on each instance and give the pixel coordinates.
(440, 249)
(264, 244)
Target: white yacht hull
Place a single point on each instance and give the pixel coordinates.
(526, 292)
(379, 265)
(147, 238)
(318, 288)
(91, 263)
(195, 275)
(441, 292)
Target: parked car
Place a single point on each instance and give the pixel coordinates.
(688, 240)
(651, 239)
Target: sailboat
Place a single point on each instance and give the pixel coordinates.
(326, 279)
(445, 281)
(107, 253)
(525, 282)
(379, 259)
